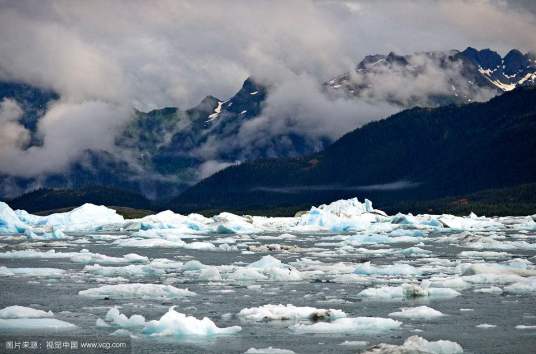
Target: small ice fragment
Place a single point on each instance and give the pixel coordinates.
(486, 325)
(268, 350)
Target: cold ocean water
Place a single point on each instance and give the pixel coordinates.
(327, 285)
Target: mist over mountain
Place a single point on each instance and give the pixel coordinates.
(418, 154)
(164, 151)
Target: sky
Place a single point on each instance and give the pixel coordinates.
(107, 58)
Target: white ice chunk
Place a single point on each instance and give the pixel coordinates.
(136, 291)
(416, 344)
(340, 216)
(210, 274)
(9, 221)
(407, 291)
(288, 312)
(85, 217)
(32, 272)
(391, 269)
(524, 287)
(23, 312)
(268, 350)
(31, 324)
(417, 313)
(349, 325)
(118, 319)
(180, 325)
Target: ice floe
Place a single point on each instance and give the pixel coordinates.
(417, 313)
(349, 325)
(28, 319)
(136, 291)
(289, 313)
(416, 344)
(32, 272)
(268, 350)
(407, 291)
(23, 312)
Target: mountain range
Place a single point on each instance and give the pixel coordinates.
(168, 146)
(418, 154)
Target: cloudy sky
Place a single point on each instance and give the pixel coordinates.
(110, 56)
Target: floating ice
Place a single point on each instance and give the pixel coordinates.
(392, 269)
(247, 274)
(23, 312)
(136, 291)
(85, 217)
(118, 319)
(417, 313)
(484, 254)
(228, 223)
(349, 325)
(133, 270)
(193, 223)
(491, 290)
(84, 256)
(267, 262)
(288, 312)
(149, 243)
(341, 216)
(407, 291)
(9, 221)
(270, 267)
(27, 318)
(524, 287)
(268, 350)
(31, 324)
(416, 344)
(180, 325)
(469, 223)
(32, 272)
(485, 325)
(210, 274)
(354, 343)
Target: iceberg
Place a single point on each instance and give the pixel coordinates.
(177, 324)
(341, 216)
(85, 217)
(288, 313)
(10, 222)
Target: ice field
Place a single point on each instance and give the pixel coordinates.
(340, 278)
